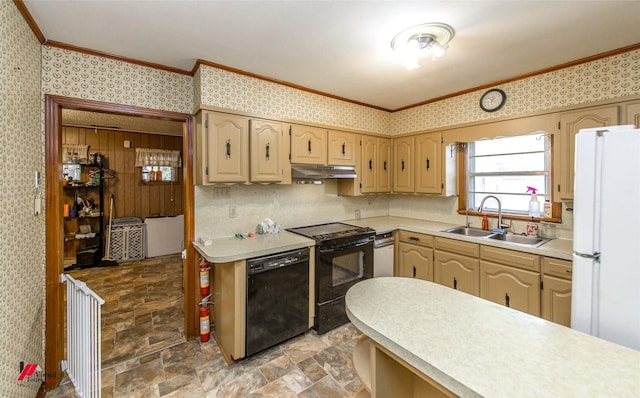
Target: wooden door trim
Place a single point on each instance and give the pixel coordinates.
(54, 330)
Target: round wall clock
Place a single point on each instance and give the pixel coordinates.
(493, 100)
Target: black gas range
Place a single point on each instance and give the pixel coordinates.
(335, 232)
(344, 256)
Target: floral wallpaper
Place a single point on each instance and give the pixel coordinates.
(73, 74)
(22, 248)
(606, 78)
(220, 88)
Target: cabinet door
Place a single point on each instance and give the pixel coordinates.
(228, 153)
(265, 138)
(384, 165)
(342, 148)
(403, 172)
(632, 114)
(570, 124)
(457, 272)
(514, 288)
(556, 300)
(369, 164)
(415, 261)
(428, 163)
(308, 145)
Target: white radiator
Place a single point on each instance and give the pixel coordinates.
(83, 364)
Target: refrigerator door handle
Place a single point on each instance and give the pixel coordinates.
(594, 256)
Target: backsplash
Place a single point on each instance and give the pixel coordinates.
(288, 205)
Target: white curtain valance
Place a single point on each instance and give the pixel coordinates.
(157, 157)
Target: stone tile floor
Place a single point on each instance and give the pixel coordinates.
(143, 309)
(307, 366)
(145, 353)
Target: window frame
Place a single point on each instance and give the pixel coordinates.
(465, 207)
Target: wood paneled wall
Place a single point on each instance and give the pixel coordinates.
(131, 196)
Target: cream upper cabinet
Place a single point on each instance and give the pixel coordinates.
(222, 148)
(632, 113)
(384, 165)
(453, 269)
(267, 150)
(569, 124)
(375, 166)
(403, 168)
(369, 171)
(428, 162)
(308, 145)
(556, 290)
(342, 148)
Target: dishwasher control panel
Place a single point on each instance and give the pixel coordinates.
(261, 264)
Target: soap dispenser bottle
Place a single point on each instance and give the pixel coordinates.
(534, 205)
(532, 228)
(485, 222)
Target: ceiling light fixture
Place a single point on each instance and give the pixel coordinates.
(422, 40)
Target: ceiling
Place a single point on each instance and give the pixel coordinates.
(342, 48)
(107, 121)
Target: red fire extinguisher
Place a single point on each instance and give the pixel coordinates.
(204, 277)
(204, 319)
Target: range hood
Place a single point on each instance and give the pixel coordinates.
(311, 173)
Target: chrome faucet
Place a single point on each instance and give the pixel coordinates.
(467, 224)
(500, 225)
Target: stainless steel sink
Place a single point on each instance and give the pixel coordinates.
(507, 238)
(519, 239)
(469, 232)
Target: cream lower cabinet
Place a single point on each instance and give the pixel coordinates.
(556, 290)
(415, 256)
(510, 278)
(453, 269)
(229, 310)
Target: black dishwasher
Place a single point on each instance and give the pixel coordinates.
(277, 299)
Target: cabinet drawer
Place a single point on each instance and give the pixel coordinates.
(527, 261)
(415, 238)
(557, 267)
(458, 246)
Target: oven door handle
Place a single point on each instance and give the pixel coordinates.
(354, 245)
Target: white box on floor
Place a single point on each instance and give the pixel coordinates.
(163, 235)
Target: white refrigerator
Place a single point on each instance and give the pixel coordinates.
(605, 299)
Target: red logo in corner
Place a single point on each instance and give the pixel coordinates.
(29, 370)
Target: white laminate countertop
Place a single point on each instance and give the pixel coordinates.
(224, 250)
(229, 249)
(477, 348)
(558, 248)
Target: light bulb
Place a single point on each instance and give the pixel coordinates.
(437, 49)
(411, 63)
